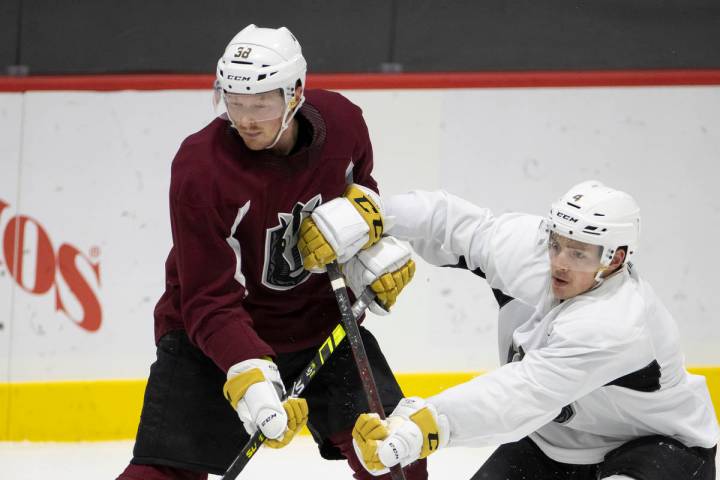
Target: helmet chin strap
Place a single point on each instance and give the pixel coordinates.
(599, 278)
(292, 107)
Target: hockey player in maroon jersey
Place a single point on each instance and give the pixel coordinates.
(240, 316)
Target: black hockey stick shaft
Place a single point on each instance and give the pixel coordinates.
(321, 356)
(337, 281)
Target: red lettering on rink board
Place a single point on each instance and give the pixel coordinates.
(92, 312)
(45, 257)
(48, 265)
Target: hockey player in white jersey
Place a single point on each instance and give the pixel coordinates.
(592, 385)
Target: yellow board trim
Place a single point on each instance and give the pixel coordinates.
(71, 411)
(110, 409)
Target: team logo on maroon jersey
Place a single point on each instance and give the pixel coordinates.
(283, 267)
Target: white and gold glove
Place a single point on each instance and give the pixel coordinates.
(254, 388)
(387, 267)
(341, 227)
(414, 430)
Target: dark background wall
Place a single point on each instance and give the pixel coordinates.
(9, 21)
(131, 36)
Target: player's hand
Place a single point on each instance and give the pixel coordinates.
(341, 227)
(387, 267)
(414, 430)
(255, 389)
(297, 416)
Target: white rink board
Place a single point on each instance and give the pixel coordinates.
(95, 173)
(518, 150)
(10, 121)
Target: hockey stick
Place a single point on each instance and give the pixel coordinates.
(352, 331)
(321, 356)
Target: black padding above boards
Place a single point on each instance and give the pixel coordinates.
(469, 35)
(9, 20)
(110, 36)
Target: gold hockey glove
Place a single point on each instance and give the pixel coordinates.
(341, 227)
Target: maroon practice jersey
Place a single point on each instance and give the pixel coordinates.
(234, 276)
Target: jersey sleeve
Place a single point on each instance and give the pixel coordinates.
(507, 404)
(509, 250)
(209, 275)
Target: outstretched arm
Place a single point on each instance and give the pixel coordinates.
(582, 355)
(509, 250)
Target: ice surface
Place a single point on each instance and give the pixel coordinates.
(105, 460)
(299, 461)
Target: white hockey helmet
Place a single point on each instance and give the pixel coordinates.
(592, 213)
(259, 60)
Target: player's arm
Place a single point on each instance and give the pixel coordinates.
(212, 288)
(513, 401)
(582, 355)
(212, 293)
(444, 229)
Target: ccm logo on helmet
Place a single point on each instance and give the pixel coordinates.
(239, 79)
(565, 216)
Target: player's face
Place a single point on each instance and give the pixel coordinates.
(573, 266)
(257, 117)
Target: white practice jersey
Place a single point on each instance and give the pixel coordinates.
(580, 377)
